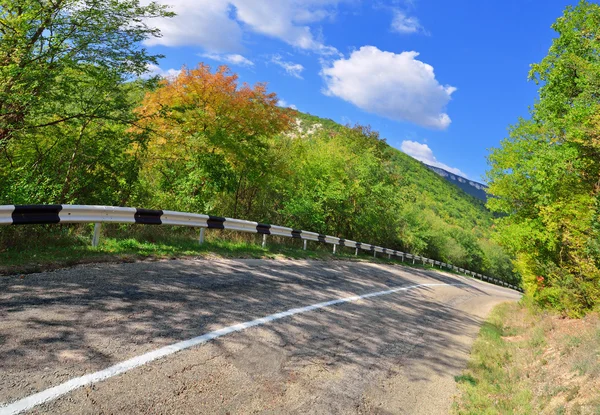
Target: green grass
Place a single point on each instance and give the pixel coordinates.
(39, 248)
(486, 386)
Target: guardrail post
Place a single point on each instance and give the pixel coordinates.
(334, 245)
(374, 253)
(264, 241)
(96, 237)
(201, 238)
(389, 256)
(402, 257)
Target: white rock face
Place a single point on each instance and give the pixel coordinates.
(300, 130)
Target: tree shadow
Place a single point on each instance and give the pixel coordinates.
(67, 323)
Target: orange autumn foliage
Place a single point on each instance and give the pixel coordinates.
(199, 110)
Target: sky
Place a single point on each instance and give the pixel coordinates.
(440, 80)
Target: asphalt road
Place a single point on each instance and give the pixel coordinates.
(390, 354)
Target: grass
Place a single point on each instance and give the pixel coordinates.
(40, 248)
(493, 388)
(525, 361)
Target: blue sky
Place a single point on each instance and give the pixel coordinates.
(441, 80)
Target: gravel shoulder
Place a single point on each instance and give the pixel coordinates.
(396, 354)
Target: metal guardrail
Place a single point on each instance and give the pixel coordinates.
(49, 214)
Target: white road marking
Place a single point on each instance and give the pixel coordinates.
(75, 383)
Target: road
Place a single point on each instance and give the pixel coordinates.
(394, 353)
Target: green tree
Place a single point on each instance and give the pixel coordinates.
(45, 45)
(92, 160)
(546, 175)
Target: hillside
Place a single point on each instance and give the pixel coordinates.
(424, 179)
(220, 148)
(468, 186)
(434, 216)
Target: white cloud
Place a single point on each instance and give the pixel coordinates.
(232, 59)
(396, 86)
(423, 153)
(284, 104)
(203, 23)
(402, 23)
(218, 25)
(292, 69)
(155, 70)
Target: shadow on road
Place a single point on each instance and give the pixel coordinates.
(63, 324)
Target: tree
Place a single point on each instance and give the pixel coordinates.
(91, 160)
(546, 175)
(45, 43)
(338, 183)
(209, 136)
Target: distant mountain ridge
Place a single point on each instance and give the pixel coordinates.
(470, 187)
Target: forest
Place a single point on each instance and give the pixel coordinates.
(80, 124)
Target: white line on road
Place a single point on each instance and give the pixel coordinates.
(75, 383)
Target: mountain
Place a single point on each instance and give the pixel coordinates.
(468, 186)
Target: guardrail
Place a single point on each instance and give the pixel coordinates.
(49, 214)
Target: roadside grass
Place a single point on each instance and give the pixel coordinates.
(525, 361)
(38, 248)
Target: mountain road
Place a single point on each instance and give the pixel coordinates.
(238, 337)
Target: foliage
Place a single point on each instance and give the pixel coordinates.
(66, 108)
(78, 127)
(546, 174)
(45, 46)
(86, 161)
(209, 136)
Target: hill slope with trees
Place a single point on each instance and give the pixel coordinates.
(421, 211)
(90, 131)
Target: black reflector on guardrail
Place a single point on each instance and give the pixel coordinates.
(321, 238)
(358, 245)
(215, 222)
(148, 216)
(296, 234)
(342, 241)
(263, 228)
(33, 214)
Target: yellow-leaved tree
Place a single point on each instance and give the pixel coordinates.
(209, 136)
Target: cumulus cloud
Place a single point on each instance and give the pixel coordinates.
(232, 58)
(396, 86)
(284, 104)
(402, 23)
(219, 25)
(292, 69)
(286, 19)
(423, 153)
(155, 70)
(204, 23)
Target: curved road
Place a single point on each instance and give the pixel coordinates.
(393, 353)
